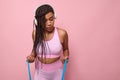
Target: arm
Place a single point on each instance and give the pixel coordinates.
(33, 37)
(32, 56)
(65, 45)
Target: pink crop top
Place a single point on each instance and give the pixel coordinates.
(53, 47)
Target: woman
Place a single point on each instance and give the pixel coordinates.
(49, 43)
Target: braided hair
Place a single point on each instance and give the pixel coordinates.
(40, 13)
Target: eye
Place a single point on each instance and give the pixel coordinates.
(51, 19)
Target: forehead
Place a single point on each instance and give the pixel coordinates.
(48, 15)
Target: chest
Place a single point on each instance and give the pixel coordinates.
(50, 36)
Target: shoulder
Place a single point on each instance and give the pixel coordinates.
(62, 32)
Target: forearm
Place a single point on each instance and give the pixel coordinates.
(66, 54)
(33, 53)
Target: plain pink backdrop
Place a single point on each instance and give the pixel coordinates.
(94, 37)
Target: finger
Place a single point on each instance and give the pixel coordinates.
(29, 58)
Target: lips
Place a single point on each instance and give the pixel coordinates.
(49, 29)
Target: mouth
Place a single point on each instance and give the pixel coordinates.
(50, 28)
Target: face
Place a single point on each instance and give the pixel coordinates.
(50, 19)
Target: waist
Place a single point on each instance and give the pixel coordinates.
(48, 56)
(48, 60)
(49, 67)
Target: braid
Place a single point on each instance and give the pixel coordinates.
(40, 27)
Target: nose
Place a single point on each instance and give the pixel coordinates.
(49, 23)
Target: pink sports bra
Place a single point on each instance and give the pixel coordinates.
(53, 47)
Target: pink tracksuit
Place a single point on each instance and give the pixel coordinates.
(51, 71)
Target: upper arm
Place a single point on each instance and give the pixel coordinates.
(65, 44)
(65, 40)
(33, 35)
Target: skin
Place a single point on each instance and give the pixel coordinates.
(49, 32)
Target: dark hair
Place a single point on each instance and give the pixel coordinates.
(40, 13)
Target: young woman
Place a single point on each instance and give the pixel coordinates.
(49, 43)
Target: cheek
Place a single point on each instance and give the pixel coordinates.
(46, 23)
(52, 22)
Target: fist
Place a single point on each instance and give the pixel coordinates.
(30, 58)
(63, 59)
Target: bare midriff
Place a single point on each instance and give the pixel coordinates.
(48, 60)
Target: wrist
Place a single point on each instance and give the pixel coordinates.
(66, 57)
(32, 55)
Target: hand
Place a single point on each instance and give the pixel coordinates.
(30, 58)
(63, 59)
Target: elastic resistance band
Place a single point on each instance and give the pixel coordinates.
(29, 74)
(63, 73)
(64, 69)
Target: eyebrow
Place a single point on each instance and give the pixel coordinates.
(51, 17)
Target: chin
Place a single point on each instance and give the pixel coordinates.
(50, 30)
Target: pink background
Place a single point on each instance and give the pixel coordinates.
(94, 37)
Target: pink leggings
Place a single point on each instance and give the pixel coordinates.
(51, 71)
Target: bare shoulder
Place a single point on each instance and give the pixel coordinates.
(62, 32)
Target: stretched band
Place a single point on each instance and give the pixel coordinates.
(29, 74)
(64, 68)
